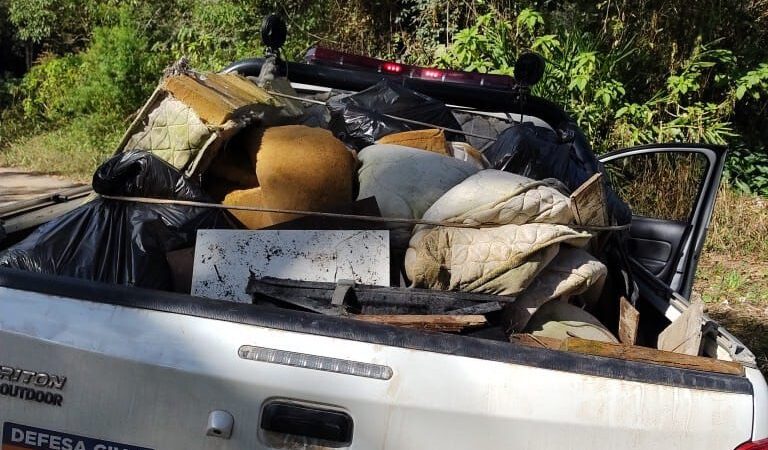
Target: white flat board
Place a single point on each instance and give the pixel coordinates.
(225, 259)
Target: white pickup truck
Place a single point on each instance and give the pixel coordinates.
(85, 365)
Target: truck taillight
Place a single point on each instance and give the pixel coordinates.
(755, 445)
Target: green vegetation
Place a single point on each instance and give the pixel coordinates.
(630, 73)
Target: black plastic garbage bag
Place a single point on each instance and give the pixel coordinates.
(358, 121)
(538, 152)
(117, 241)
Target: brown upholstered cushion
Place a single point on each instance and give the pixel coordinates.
(303, 168)
(430, 139)
(248, 197)
(298, 168)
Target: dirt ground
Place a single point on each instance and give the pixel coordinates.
(735, 292)
(16, 184)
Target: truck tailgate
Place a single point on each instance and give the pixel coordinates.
(150, 379)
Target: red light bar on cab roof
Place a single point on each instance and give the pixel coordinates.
(327, 57)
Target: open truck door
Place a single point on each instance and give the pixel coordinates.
(671, 189)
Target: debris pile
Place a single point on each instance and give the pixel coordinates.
(381, 211)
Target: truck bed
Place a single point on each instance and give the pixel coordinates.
(146, 368)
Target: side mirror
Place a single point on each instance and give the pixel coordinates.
(529, 69)
(273, 33)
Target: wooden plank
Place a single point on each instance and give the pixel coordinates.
(300, 301)
(369, 301)
(684, 334)
(477, 308)
(530, 340)
(629, 320)
(445, 323)
(651, 356)
(588, 202)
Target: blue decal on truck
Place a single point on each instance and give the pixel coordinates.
(22, 437)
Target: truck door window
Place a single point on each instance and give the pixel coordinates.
(662, 185)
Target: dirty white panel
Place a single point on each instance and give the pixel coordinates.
(225, 259)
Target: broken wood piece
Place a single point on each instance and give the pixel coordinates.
(302, 302)
(444, 323)
(684, 334)
(588, 202)
(651, 356)
(629, 320)
(530, 340)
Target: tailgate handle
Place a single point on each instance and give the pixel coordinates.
(327, 425)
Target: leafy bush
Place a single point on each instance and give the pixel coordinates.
(118, 71)
(215, 33)
(747, 170)
(578, 74)
(113, 76)
(754, 82)
(47, 88)
(34, 19)
(694, 102)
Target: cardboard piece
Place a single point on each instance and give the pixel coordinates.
(629, 319)
(684, 334)
(588, 202)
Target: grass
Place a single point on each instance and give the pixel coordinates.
(732, 278)
(73, 150)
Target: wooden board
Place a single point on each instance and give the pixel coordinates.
(530, 340)
(443, 323)
(684, 334)
(629, 320)
(588, 202)
(651, 356)
(225, 260)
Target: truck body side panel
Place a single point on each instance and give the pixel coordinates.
(150, 378)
